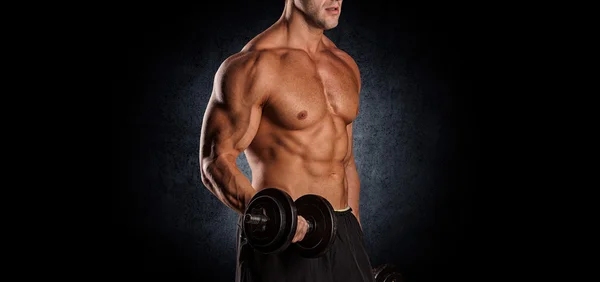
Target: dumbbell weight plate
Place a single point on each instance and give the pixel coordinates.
(387, 273)
(318, 210)
(280, 228)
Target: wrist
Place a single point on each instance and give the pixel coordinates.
(248, 197)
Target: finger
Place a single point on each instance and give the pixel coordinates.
(301, 237)
(302, 232)
(296, 236)
(299, 231)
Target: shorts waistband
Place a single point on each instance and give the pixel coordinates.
(343, 211)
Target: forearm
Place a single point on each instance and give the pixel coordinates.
(225, 180)
(353, 185)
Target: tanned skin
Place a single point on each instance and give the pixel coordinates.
(288, 100)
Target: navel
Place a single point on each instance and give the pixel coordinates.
(302, 115)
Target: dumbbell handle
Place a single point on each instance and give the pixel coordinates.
(255, 219)
(259, 219)
(311, 225)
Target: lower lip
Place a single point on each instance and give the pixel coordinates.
(333, 12)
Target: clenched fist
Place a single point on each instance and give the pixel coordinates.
(301, 229)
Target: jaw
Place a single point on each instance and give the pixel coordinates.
(330, 23)
(326, 21)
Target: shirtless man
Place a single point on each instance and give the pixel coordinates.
(288, 100)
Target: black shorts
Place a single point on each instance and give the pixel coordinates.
(346, 261)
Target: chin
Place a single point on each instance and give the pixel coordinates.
(330, 25)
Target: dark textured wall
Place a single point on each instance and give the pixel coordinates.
(415, 136)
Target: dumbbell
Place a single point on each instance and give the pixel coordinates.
(387, 273)
(271, 219)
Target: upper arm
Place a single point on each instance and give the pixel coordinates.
(350, 154)
(355, 70)
(233, 111)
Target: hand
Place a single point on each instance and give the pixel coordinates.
(300, 229)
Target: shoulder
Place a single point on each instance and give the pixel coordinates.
(245, 75)
(342, 55)
(258, 54)
(235, 76)
(348, 60)
(246, 64)
(238, 64)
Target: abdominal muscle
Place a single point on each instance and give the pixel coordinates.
(300, 162)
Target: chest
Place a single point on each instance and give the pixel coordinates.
(304, 91)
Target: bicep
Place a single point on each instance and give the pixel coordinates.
(227, 129)
(231, 118)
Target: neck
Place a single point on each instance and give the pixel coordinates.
(301, 33)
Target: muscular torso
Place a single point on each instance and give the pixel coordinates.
(301, 145)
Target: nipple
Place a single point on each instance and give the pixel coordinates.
(302, 115)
